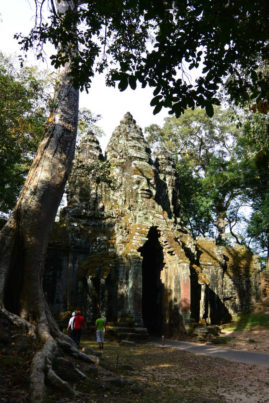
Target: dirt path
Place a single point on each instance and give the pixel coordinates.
(243, 356)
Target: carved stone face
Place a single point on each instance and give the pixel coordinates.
(143, 180)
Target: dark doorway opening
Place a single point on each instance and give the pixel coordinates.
(195, 296)
(152, 287)
(216, 309)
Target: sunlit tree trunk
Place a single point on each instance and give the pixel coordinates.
(221, 224)
(24, 239)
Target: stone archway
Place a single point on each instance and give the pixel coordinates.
(152, 286)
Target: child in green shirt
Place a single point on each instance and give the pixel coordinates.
(100, 330)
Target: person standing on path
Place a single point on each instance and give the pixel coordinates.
(100, 332)
(71, 325)
(79, 322)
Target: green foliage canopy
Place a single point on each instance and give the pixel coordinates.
(254, 146)
(154, 42)
(210, 174)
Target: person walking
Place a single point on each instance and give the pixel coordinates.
(71, 325)
(79, 322)
(100, 332)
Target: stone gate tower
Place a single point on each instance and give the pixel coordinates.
(120, 247)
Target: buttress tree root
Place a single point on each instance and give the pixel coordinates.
(49, 343)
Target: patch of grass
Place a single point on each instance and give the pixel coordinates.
(250, 321)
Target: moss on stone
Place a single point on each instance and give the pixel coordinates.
(102, 263)
(174, 246)
(144, 170)
(135, 230)
(240, 261)
(209, 253)
(202, 278)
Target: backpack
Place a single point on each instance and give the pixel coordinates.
(78, 321)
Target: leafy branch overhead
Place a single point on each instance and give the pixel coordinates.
(155, 42)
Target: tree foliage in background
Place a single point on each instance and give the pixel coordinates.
(87, 121)
(254, 146)
(24, 99)
(223, 166)
(210, 174)
(156, 43)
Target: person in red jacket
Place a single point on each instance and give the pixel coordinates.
(79, 322)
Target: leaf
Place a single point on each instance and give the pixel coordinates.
(157, 90)
(123, 84)
(157, 109)
(209, 110)
(177, 109)
(155, 100)
(132, 82)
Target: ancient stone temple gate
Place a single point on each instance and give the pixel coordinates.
(119, 246)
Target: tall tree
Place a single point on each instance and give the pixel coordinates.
(254, 146)
(138, 41)
(24, 238)
(210, 177)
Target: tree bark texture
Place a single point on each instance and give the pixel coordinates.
(221, 224)
(24, 239)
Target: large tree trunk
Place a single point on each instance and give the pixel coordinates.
(24, 239)
(221, 224)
